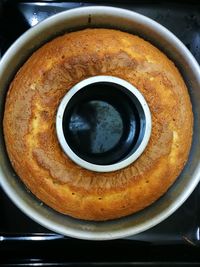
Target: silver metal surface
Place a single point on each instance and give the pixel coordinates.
(107, 17)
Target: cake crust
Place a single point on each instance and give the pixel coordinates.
(30, 135)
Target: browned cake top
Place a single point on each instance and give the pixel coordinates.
(29, 123)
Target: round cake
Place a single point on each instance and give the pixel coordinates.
(30, 113)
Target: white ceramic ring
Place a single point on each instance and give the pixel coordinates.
(146, 129)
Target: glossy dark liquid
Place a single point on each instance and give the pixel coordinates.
(101, 123)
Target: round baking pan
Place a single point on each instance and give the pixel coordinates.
(107, 17)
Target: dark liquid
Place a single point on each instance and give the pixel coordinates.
(101, 124)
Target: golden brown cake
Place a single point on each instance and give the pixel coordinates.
(30, 135)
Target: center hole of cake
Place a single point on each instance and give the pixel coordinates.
(101, 124)
(96, 126)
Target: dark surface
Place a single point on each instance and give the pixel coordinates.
(102, 124)
(173, 242)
